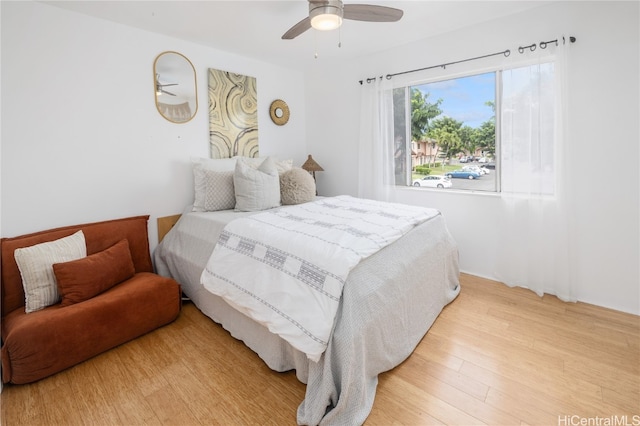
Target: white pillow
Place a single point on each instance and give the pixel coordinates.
(35, 264)
(256, 189)
(213, 191)
(200, 167)
(281, 165)
(284, 165)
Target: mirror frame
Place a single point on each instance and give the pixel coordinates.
(279, 112)
(190, 97)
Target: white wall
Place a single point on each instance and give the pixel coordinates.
(604, 111)
(81, 138)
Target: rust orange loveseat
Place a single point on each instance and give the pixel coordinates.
(41, 343)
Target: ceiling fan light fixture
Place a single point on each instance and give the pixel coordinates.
(325, 15)
(326, 18)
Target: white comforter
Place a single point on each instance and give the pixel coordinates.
(286, 268)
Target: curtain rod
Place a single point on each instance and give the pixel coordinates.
(506, 53)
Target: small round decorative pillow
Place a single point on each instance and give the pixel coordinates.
(297, 186)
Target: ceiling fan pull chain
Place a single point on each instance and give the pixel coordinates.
(315, 44)
(340, 37)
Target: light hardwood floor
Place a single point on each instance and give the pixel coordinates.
(496, 355)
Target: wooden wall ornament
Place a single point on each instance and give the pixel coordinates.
(279, 112)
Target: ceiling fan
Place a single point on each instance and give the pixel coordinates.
(328, 15)
(160, 87)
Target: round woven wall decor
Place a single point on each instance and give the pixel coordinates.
(279, 112)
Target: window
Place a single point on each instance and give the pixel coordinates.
(488, 132)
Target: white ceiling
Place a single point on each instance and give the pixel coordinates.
(254, 28)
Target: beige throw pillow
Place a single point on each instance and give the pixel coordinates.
(36, 268)
(297, 186)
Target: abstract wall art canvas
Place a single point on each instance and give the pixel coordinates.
(233, 115)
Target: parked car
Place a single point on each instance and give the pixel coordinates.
(434, 181)
(482, 160)
(476, 169)
(463, 174)
(491, 166)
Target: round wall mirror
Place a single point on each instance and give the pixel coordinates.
(279, 112)
(175, 87)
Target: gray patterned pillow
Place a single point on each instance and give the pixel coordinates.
(219, 193)
(200, 166)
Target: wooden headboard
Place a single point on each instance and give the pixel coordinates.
(165, 224)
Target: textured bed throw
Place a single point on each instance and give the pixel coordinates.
(286, 267)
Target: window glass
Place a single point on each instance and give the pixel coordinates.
(449, 129)
(453, 131)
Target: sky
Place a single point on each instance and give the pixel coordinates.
(464, 98)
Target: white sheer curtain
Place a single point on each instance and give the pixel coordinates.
(375, 148)
(533, 241)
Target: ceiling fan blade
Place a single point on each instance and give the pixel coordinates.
(161, 85)
(297, 29)
(168, 93)
(371, 13)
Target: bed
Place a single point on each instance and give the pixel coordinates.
(370, 277)
(389, 301)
